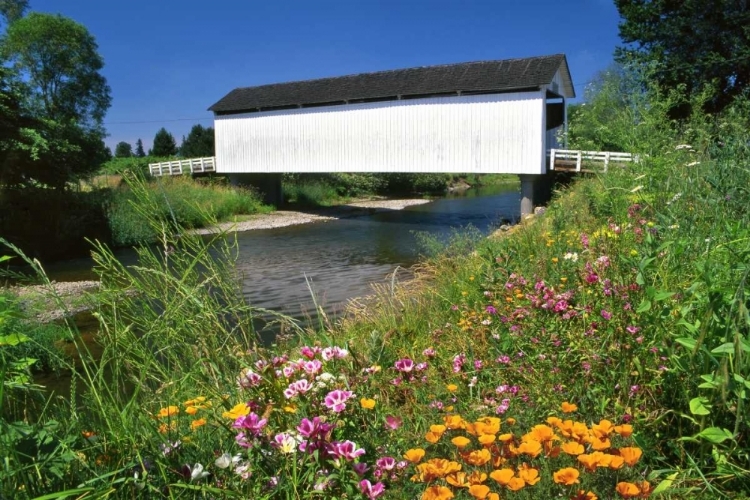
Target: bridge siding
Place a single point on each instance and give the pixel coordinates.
(500, 133)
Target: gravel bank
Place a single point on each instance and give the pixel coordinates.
(283, 218)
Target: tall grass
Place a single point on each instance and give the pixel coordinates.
(187, 202)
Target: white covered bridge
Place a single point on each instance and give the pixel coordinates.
(478, 117)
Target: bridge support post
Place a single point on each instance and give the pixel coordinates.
(536, 190)
(268, 185)
(527, 194)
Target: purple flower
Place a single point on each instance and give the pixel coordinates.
(606, 314)
(404, 365)
(371, 491)
(336, 400)
(249, 379)
(250, 422)
(360, 468)
(632, 329)
(429, 352)
(309, 352)
(312, 367)
(333, 353)
(314, 428)
(490, 310)
(458, 362)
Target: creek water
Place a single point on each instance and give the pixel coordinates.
(337, 260)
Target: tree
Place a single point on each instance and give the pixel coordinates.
(54, 65)
(164, 144)
(123, 150)
(199, 143)
(13, 10)
(139, 149)
(690, 43)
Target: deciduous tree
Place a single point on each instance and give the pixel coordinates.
(123, 150)
(199, 143)
(694, 43)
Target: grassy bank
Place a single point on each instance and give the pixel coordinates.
(598, 351)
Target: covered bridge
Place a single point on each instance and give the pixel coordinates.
(476, 117)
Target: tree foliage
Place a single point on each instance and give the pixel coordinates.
(164, 144)
(690, 43)
(139, 152)
(13, 10)
(199, 143)
(57, 100)
(123, 150)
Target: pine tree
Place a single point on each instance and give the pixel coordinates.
(164, 144)
(139, 149)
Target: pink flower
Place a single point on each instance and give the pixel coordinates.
(392, 422)
(309, 352)
(404, 365)
(347, 450)
(311, 429)
(312, 367)
(334, 352)
(385, 463)
(249, 379)
(360, 468)
(371, 491)
(336, 400)
(606, 314)
(429, 352)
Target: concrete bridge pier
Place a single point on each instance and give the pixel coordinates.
(268, 185)
(536, 190)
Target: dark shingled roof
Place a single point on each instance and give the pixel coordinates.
(481, 77)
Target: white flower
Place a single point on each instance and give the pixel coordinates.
(197, 473)
(571, 256)
(227, 461)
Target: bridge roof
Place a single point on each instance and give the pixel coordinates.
(480, 77)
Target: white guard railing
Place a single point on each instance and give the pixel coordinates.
(179, 167)
(579, 157)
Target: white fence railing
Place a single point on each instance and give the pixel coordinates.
(179, 167)
(567, 159)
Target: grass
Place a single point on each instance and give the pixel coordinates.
(599, 351)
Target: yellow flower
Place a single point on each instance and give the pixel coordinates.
(290, 408)
(239, 410)
(555, 260)
(191, 410)
(196, 401)
(633, 253)
(367, 404)
(169, 411)
(197, 423)
(486, 439)
(451, 387)
(432, 437)
(567, 476)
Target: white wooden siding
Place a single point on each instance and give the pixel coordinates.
(502, 133)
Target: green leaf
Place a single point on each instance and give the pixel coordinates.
(687, 342)
(727, 348)
(698, 406)
(13, 339)
(665, 485)
(715, 435)
(662, 295)
(644, 306)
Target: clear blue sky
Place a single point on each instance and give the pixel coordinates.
(167, 61)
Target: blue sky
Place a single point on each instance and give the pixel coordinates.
(168, 61)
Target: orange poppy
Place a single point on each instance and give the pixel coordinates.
(601, 444)
(531, 448)
(584, 495)
(567, 476)
(529, 475)
(431, 437)
(568, 407)
(627, 490)
(414, 455)
(541, 433)
(616, 462)
(477, 477)
(502, 476)
(624, 430)
(486, 439)
(453, 421)
(461, 441)
(603, 429)
(169, 411)
(457, 479)
(572, 448)
(437, 493)
(478, 457)
(479, 491)
(515, 484)
(631, 455)
(197, 423)
(437, 429)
